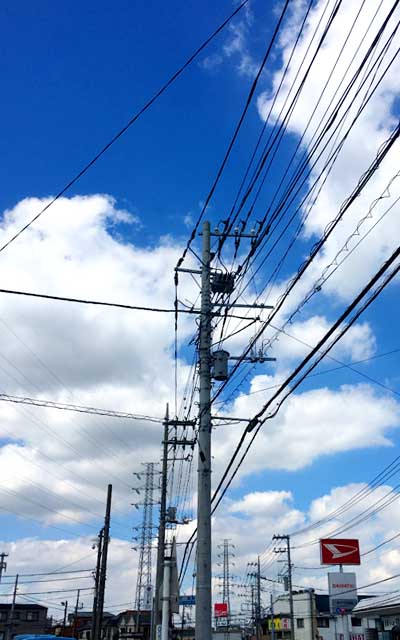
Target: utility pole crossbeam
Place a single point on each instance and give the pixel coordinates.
(286, 550)
(3, 563)
(203, 573)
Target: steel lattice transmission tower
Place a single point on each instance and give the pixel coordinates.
(144, 537)
(227, 579)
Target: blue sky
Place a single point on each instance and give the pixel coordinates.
(72, 75)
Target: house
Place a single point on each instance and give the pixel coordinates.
(380, 617)
(313, 619)
(27, 618)
(83, 625)
(127, 624)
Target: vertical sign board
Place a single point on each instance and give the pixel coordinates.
(221, 609)
(342, 592)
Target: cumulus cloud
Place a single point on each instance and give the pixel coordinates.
(82, 354)
(312, 424)
(337, 61)
(54, 466)
(263, 513)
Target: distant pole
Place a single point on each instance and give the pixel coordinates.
(183, 621)
(156, 618)
(65, 617)
(103, 569)
(272, 618)
(312, 613)
(286, 550)
(76, 613)
(166, 600)
(11, 616)
(258, 605)
(203, 573)
(3, 564)
(95, 613)
(290, 589)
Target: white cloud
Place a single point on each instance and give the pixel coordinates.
(368, 134)
(249, 523)
(81, 354)
(235, 47)
(312, 424)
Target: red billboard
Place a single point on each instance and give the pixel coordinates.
(221, 609)
(339, 551)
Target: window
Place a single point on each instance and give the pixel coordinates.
(323, 623)
(122, 629)
(3, 615)
(32, 615)
(356, 622)
(17, 615)
(300, 623)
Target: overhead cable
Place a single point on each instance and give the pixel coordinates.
(235, 134)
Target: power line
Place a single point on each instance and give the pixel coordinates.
(50, 404)
(50, 573)
(134, 118)
(282, 206)
(116, 305)
(50, 580)
(236, 133)
(382, 153)
(38, 593)
(345, 365)
(256, 422)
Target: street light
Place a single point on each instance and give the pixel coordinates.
(65, 605)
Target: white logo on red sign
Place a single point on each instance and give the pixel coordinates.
(340, 550)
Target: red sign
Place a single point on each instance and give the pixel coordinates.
(221, 609)
(339, 551)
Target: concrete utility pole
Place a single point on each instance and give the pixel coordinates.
(220, 283)
(11, 615)
(156, 617)
(3, 564)
(166, 599)
(203, 574)
(286, 550)
(103, 566)
(96, 584)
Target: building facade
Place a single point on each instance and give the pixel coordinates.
(26, 618)
(312, 620)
